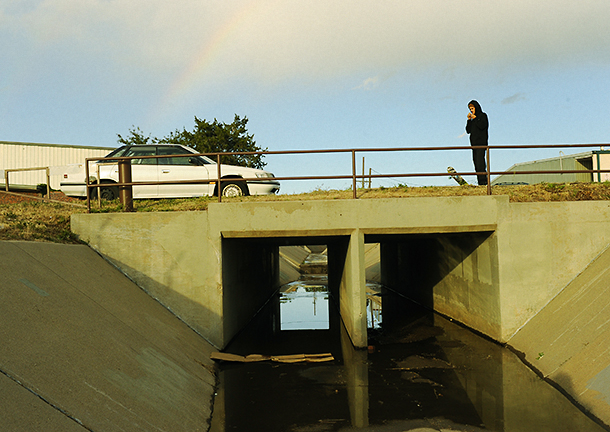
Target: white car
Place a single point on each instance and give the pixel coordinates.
(168, 169)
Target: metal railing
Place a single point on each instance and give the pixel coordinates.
(10, 170)
(29, 196)
(353, 176)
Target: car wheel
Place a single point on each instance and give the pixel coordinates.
(109, 193)
(232, 189)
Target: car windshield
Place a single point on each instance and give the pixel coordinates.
(139, 150)
(117, 152)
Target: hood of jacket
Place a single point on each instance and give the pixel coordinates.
(477, 107)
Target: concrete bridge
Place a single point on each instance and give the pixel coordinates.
(511, 271)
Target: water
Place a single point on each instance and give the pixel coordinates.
(421, 373)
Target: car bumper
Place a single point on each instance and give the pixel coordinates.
(263, 187)
(73, 189)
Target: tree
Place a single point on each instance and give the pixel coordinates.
(210, 137)
(136, 136)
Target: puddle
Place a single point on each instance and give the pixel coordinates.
(421, 373)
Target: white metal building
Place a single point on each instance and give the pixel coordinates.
(590, 160)
(34, 155)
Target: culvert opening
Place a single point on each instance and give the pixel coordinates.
(304, 301)
(431, 373)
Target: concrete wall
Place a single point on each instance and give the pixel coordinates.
(178, 257)
(291, 258)
(483, 261)
(250, 277)
(508, 260)
(352, 290)
(455, 274)
(568, 340)
(170, 255)
(541, 248)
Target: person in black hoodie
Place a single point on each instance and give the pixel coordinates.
(477, 126)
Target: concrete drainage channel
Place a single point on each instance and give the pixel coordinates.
(421, 371)
(500, 267)
(84, 349)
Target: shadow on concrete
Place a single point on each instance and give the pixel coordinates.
(83, 348)
(452, 273)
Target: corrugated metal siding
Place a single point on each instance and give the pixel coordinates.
(548, 165)
(29, 155)
(570, 162)
(584, 164)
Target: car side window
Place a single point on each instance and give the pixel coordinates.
(188, 160)
(134, 151)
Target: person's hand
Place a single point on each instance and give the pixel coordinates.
(471, 116)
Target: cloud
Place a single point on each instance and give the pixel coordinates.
(271, 40)
(517, 97)
(151, 32)
(368, 84)
(322, 39)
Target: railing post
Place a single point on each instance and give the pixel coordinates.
(125, 191)
(354, 173)
(48, 183)
(87, 186)
(363, 176)
(98, 189)
(6, 180)
(488, 171)
(218, 177)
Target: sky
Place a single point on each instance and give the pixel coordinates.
(312, 74)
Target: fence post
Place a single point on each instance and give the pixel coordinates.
(363, 176)
(125, 191)
(48, 183)
(218, 177)
(488, 171)
(354, 173)
(87, 186)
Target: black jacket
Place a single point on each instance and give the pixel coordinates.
(478, 128)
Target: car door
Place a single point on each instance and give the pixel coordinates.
(181, 168)
(142, 170)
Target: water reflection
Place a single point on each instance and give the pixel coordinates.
(304, 305)
(421, 372)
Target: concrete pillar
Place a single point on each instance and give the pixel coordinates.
(352, 291)
(357, 371)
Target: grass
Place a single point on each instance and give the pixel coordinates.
(37, 221)
(41, 221)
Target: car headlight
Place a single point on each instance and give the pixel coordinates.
(264, 174)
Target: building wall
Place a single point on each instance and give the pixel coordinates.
(567, 163)
(601, 160)
(32, 155)
(591, 160)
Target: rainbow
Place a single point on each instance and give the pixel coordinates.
(209, 51)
